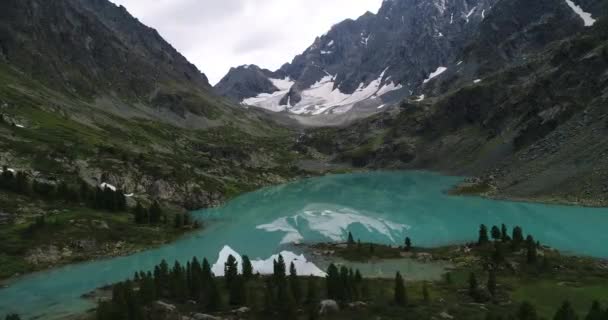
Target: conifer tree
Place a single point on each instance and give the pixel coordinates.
(332, 281)
(247, 268)
(526, 312)
(178, 221)
(351, 240)
(237, 293)
(473, 285)
(504, 233)
(496, 233)
(294, 283)
(595, 313)
(156, 213)
(498, 255)
(400, 297)
(287, 303)
(141, 215)
(408, 244)
(492, 282)
(214, 300)
(230, 270)
(312, 294)
(344, 293)
(531, 254)
(279, 269)
(448, 278)
(565, 312)
(483, 235)
(518, 235)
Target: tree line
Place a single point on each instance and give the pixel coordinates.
(97, 198)
(527, 311)
(284, 292)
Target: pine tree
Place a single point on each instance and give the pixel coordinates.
(483, 235)
(504, 233)
(345, 293)
(565, 312)
(498, 255)
(518, 235)
(178, 221)
(312, 294)
(408, 244)
(595, 313)
(13, 317)
(294, 283)
(141, 215)
(332, 281)
(473, 285)
(351, 240)
(156, 213)
(448, 278)
(400, 297)
(237, 293)
(496, 233)
(531, 254)
(247, 268)
(147, 291)
(492, 282)
(287, 304)
(214, 300)
(279, 270)
(526, 312)
(230, 270)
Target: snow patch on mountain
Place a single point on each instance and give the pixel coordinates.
(266, 266)
(322, 96)
(435, 74)
(587, 18)
(272, 101)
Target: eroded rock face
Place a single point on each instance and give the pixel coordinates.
(402, 44)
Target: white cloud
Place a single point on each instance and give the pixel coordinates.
(216, 35)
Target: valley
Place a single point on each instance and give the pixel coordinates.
(422, 120)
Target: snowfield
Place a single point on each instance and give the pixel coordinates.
(322, 97)
(587, 18)
(435, 74)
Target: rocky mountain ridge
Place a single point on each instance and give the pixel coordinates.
(523, 117)
(371, 61)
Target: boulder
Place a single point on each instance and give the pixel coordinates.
(202, 316)
(357, 305)
(328, 306)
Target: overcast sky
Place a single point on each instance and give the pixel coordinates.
(218, 34)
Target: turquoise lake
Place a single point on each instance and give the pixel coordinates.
(380, 206)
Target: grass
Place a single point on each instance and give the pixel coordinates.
(66, 224)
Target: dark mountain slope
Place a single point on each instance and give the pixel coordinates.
(533, 129)
(373, 60)
(86, 89)
(96, 51)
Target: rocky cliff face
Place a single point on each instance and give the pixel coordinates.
(378, 57)
(521, 109)
(82, 77)
(93, 48)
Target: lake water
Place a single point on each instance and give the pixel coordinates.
(380, 207)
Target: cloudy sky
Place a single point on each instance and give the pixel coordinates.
(218, 34)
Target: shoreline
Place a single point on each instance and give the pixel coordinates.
(452, 191)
